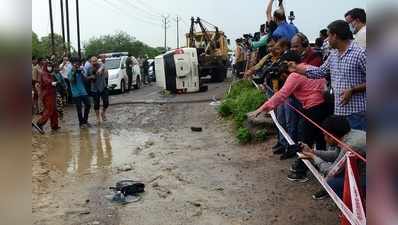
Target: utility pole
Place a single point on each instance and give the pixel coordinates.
(67, 25)
(165, 21)
(52, 27)
(78, 30)
(178, 33)
(63, 24)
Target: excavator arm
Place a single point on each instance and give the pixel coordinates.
(192, 33)
(204, 31)
(210, 41)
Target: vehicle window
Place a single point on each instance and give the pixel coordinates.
(111, 64)
(124, 62)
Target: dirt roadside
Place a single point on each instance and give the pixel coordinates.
(192, 178)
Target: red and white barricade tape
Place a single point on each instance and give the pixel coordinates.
(355, 217)
(352, 197)
(343, 145)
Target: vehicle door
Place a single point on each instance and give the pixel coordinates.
(123, 69)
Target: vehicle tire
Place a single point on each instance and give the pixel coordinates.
(122, 86)
(138, 83)
(219, 74)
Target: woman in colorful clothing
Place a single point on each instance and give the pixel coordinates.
(47, 87)
(61, 90)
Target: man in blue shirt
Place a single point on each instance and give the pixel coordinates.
(284, 29)
(77, 82)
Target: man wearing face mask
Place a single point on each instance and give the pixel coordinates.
(301, 46)
(48, 91)
(357, 20)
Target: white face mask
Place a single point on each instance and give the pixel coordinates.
(49, 69)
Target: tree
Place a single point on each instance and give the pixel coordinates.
(58, 42)
(37, 50)
(119, 42)
(41, 48)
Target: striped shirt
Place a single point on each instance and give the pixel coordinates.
(346, 71)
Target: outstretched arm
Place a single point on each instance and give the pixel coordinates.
(281, 7)
(269, 10)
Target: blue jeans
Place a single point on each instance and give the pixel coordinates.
(292, 118)
(289, 120)
(358, 121)
(337, 184)
(280, 115)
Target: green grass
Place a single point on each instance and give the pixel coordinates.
(244, 136)
(261, 135)
(243, 98)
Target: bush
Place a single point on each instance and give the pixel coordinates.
(227, 107)
(261, 135)
(242, 98)
(244, 136)
(238, 88)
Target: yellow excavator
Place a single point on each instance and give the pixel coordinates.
(212, 49)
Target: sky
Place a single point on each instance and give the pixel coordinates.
(143, 18)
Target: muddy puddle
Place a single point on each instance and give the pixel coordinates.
(89, 150)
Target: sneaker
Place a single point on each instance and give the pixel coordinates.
(297, 167)
(55, 129)
(38, 127)
(298, 177)
(277, 146)
(288, 155)
(320, 195)
(279, 151)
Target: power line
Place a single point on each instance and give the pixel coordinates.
(119, 9)
(155, 10)
(145, 12)
(138, 18)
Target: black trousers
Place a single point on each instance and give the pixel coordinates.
(79, 101)
(310, 134)
(97, 99)
(130, 81)
(240, 67)
(69, 99)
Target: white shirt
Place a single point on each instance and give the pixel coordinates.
(65, 69)
(360, 37)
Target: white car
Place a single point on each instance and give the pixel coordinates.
(137, 77)
(118, 79)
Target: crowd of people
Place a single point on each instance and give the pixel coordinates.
(325, 80)
(56, 83)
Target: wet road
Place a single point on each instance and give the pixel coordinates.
(191, 178)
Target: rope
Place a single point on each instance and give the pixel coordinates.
(343, 145)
